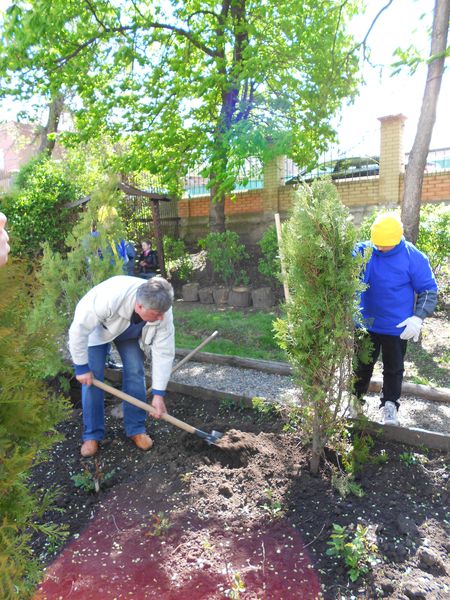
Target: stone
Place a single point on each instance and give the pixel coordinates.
(190, 292)
(206, 295)
(239, 297)
(263, 297)
(429, 558)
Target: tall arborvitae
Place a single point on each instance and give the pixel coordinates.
(29, 411)
(317, 333)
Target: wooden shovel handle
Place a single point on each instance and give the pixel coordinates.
(147, 407)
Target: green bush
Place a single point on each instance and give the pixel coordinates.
(35, 210)
(269, 265)
(29, 411)
(177, 258)
(317, 333)
(225, 253)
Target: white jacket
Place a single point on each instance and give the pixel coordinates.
(105, 312)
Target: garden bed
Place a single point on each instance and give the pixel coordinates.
(188, 520)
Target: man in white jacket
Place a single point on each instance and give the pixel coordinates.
(133, 315)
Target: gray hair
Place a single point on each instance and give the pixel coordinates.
(156, 293)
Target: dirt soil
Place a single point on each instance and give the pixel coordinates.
(246, 520)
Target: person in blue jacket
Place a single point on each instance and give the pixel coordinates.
(401, 291)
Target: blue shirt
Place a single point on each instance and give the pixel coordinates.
(393, 279)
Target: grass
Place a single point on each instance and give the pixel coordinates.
(250, 334)
(240, 334)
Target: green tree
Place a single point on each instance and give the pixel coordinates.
(188, 82)
(317, 332)
(29, 411)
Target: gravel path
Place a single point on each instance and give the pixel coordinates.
(414, 412)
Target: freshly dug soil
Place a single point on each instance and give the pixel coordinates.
(243, 519)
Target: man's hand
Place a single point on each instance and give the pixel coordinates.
(412, 326)
(159, 405)
(86, 378)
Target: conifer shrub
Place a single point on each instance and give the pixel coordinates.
(29, 411)
(317, 332)
(65, 277)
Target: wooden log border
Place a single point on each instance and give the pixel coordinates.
(434, 394)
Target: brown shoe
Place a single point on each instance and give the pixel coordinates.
(89, 448)
(142, 441)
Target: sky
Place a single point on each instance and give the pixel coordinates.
(358, 126)
(399, 26)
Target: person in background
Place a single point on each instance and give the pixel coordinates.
(134, 315)
(401, 292)
(131, 254)
(4, 239)
(148, 261)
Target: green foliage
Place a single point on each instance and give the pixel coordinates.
(237, 585)
(269, 265)
(192, 85)
(413, 458)
(225, 252)
(90, 481)
(359, 553)
(273, 507)
(344, 484)
(317, 333)
(35, 210)
(65, 279)
(29, 411)
(161, 524)
(434, 235)
(178, 259)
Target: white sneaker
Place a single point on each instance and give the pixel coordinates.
(390, 413)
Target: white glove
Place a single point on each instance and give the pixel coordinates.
(412, 326)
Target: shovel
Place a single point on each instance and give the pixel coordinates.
(210, 438)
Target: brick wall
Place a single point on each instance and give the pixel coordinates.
(253, 211)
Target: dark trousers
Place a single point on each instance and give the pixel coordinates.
(393, 352)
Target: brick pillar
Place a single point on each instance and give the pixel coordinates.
(274, 176)
(391, 158)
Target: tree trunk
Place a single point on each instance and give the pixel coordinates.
(217, 214)
(418, 157)
(55, 110)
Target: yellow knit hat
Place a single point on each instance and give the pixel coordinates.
(387, 230)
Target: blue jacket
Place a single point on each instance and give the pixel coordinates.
(394, 278)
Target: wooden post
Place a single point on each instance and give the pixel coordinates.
(283, 270)
(158, 235)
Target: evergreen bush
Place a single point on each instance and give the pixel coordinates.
(317, 333)
(29, 411)
(35, 208)
(64, 279)
(225, 252)
(269, 265)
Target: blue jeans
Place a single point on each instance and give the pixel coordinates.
(133, 383)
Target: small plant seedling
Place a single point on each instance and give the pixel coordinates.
(274, 507)
(413, 458)
(206, 544)
(358, 554)
(264, 407)
(237, 586)
(344, 484)
(92, 482)
(160, 524)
